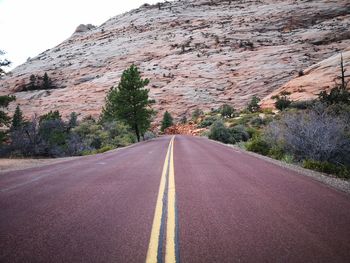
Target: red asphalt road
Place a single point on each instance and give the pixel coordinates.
(232, 207)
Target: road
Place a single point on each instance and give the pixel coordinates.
(181, 199)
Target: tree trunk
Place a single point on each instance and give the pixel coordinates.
(137, 132)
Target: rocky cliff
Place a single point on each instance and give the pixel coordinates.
(197, 53)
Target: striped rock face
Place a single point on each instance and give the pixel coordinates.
(196, 54)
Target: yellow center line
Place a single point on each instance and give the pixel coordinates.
(152, 253)
(170, 255)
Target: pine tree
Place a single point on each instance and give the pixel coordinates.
(73, 120)
(17, 120)
(32, 82)
(46, 82)
(167, 121)
(129, 102)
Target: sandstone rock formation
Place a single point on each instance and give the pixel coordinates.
(197, 53)
(320, 76)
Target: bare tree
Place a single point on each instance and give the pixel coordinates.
(314, 134)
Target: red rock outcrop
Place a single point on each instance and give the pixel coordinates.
(184, 129)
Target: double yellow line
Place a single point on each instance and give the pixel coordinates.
(165, 211)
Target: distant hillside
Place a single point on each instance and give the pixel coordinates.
(196, 53)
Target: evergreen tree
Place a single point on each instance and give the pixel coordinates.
(32, 82)
(129, 102)
(50, 116)
(46, 82)
(17, 120)
(253, 105)
(73, 120)
(167, 121)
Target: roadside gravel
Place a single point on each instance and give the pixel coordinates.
(7, 165)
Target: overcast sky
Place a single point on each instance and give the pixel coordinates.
(29, 27)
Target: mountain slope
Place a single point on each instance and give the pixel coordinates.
(196, 53)
(318, 77)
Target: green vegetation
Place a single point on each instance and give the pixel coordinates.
(17, 119)
(38, 83)
(282, 100)
(129, 102)
(50, 136)
(196, 114)
(253, 105)
(126, 117)
(227, 111)
(167, 121)
(314, 134)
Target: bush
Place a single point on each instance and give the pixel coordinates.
(315, 134)
(258, 145)
(104, 149)
(327, 167)
(149, 135)
(258, 121)
(208, 121)
(302, 105)
(219, 132)
(337, 94)
(196, 114)
(239, 133)
(253, 105)
(252, 132)
(227, 111)
(282, 101)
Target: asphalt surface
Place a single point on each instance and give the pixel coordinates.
(230, 207)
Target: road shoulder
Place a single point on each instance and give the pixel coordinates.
(332, 181)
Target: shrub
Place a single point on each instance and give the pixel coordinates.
(252, 132)
(257, 121)
(253, 105)
(104, 149)
(326, 167)
(149, 135)
(302, 105)
(227, 111)
(219, 132)
(315, 134)
(258, 145)
(239, 133)
(337, 94)
(208, 121)
(196, 114)
(282, 101)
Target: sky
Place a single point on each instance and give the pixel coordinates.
(29, 27)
